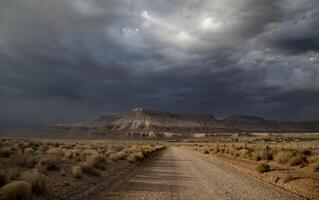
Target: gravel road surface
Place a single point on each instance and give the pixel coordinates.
(178, 174)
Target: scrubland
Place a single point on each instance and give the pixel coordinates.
(47, 169)
(292, 166)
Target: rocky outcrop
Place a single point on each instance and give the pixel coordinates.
(148, 123)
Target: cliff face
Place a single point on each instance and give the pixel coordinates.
(142, 122)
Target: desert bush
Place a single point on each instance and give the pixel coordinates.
(28, 150)
(262, 167)
(118, 156)
(3, 178)
(263, 155)
(97, 161)
(134, 157)
(5, 152)
(234, 152)
(256, 156)
(18, 190)
(49, 162)
(297, 160)
(283, 157)
(28, 161)
(313, 159)
(306, 152)
(244, 153)
(74, 154)
(37, 181)
(205, 151)
(13, 173)
(87, 169)
(55, 152)
(289, 177)
(77, 171)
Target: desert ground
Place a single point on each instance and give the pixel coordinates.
(213, 168)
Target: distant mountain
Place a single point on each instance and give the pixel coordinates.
(147, 123)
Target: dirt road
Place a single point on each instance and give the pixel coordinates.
(179, 174)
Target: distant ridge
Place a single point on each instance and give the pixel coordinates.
(149, 123)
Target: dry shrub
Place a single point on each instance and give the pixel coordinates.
(18, 190)
(118, 156)
(55, 152)
(88, 152)
(50, 162)
(87, 169)
(205, 151)
(307, 152)
(5, 152)
(234, 152)
(297, 160)
(256, 156)
(264, 154)
(28, 151)
(37, 181)
(77, 171)
(3, 179)
(96, 161)
(28, 161)
(13, 173)
(313, 159)
(244, 153)
(289, 177)
(72, 154)
(283, 157)
(134, 157)
(262, 167)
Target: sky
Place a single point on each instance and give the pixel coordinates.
(74, 60)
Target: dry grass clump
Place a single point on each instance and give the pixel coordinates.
(313, 159)
(118, 156)
(5, 152)
(97, 161)
(37, 181)
(87, 169)
(3, 179)
(262, 167)
(55, 152)
(205, 151)
(291, 155)
(49, 162)
(244, 153)
(77, 171)
(135, 157)
(289, 177)
(261, 155)
(17, 190)
(28, 150)
(28, 161)
(283, 157)
(13, 173)
(298, 160)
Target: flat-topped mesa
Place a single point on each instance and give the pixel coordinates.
(137, 109)
(141, 121)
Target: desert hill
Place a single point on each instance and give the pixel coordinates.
(148, 123)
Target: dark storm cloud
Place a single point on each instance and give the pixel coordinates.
(77, 59)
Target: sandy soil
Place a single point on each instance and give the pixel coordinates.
(178, 174)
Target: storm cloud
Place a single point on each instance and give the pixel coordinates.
(78, 59)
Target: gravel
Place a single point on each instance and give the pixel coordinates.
(176, 174)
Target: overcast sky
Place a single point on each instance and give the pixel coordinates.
(71, 60)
